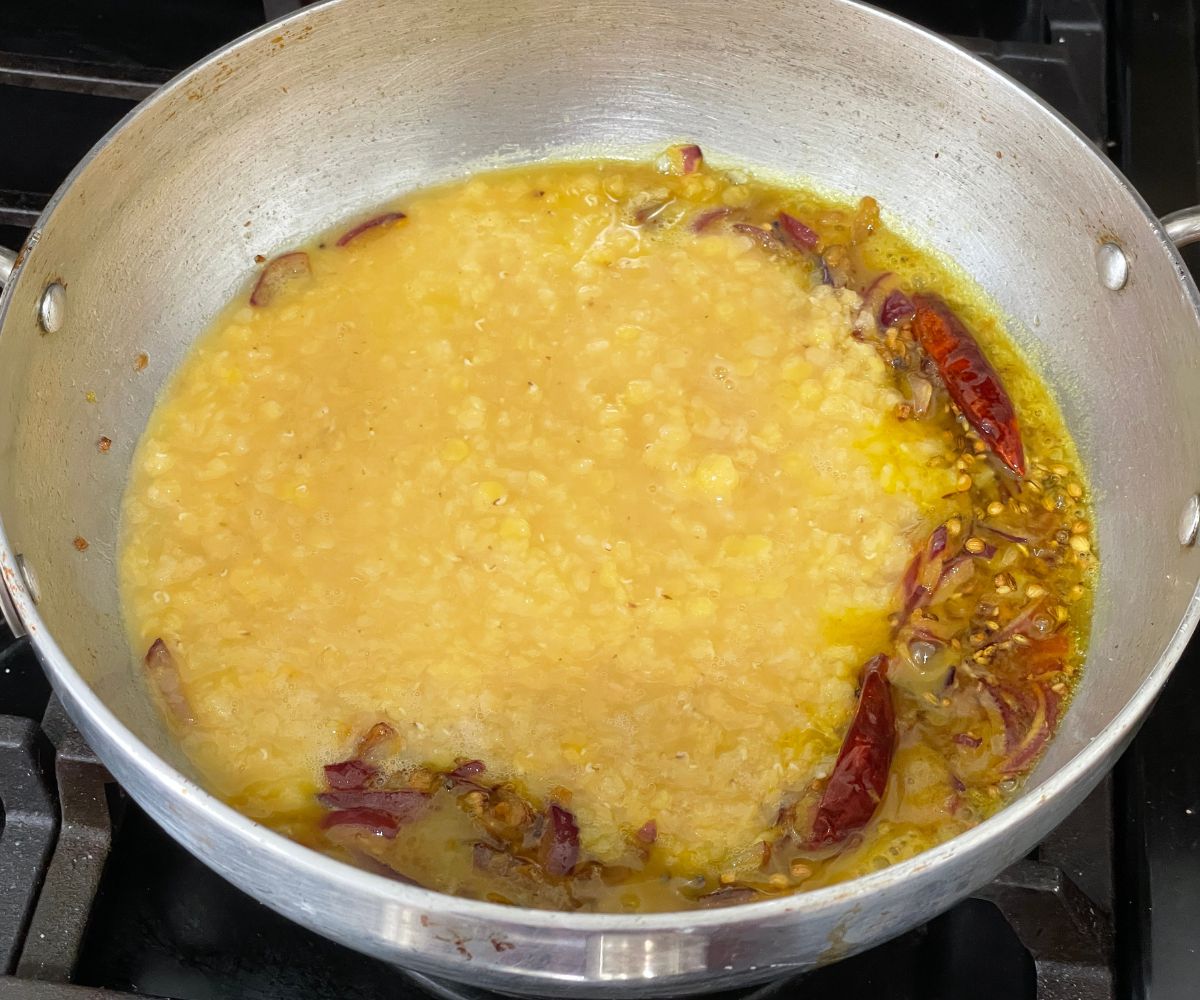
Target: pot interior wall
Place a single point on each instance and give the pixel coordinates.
(301, 125)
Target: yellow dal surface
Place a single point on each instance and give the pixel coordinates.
(617, 515)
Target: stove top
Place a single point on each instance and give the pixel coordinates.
(100, 904)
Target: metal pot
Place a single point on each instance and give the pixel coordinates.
(321, 115)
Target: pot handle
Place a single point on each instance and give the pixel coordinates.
(1183, 226)
(8, 260)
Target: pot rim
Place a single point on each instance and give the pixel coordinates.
(1074, 773)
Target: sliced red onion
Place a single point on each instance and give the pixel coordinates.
(955, 575)
(467, 769)
(380, 823)
(764, 237)
(348, 774)
(798, 232)
(1009, 707)
(402, 804)
(362, 227)
(916, 598)
(826, 276)
(164, 674)
(464, 775)
(921, 576)
(1000, 533)
(911, 586)
(647, 832)
(963, 740)
(691, 157)
(729, 896)
(1029, 718)
(278, 273)
(1033, 745)
(1041, 728)
(706, 219)
(559, 847)
(896, 307)
(948, 568)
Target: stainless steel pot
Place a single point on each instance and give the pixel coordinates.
(323, 114)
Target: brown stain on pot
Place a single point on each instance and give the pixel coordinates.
(838, 947)
(211, 82)
(215, 80)
(30, 242)
(290, 35)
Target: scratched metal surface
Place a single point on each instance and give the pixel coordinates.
(351, 102)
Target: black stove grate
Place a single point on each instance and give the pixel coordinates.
(97, 903)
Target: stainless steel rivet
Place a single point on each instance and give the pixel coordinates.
(30, 578)
(1113, 265)
(52, 310)
(1189, 521)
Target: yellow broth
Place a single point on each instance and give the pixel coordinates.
(569, 472)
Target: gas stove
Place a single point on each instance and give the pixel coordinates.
(99, 904)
